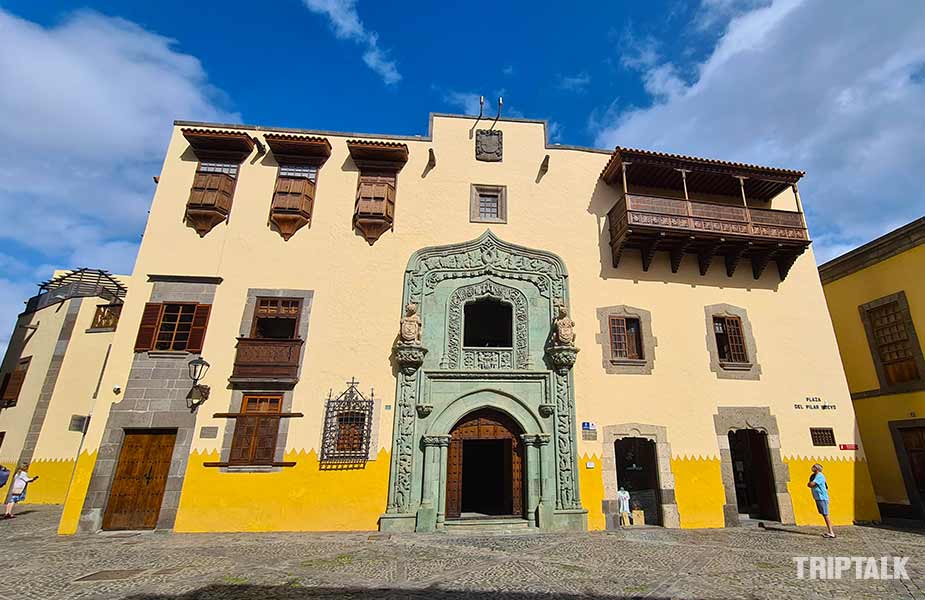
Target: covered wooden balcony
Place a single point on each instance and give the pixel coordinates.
(706, 208)
(379, 164)
(265, 359)
(299, 158)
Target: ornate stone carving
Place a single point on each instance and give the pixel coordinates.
(562, 358)
(488, 145)
(424, 409)
(535, 439)
(435, 440)
(410, 330)
(547, 410)
(565, 328)
(403, 459)
(409, 357)
(565, 454)
(487, 359)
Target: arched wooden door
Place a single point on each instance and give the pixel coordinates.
(485, 466)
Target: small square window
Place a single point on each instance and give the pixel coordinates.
(488, 204)
(299, 171)
(822, 436)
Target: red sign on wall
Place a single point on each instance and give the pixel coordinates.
(847, 446)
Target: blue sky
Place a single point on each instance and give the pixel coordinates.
(88, 92)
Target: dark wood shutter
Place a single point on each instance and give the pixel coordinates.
(14, 384)
(147, 331)
(737, 352)
(265, 442)
(633, 339)
(244, 430)
(197, 334)
(618, 337)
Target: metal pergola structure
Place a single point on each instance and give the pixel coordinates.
(78, 283)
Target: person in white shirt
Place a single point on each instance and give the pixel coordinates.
(18, 489)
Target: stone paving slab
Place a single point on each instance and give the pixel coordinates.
(746, 562)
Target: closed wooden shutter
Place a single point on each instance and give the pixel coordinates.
(736, 341)
(14, 384)
(148, 328)
(633, 339)
(618, 337)
(197, 334)
(244, 430)
(265, 442)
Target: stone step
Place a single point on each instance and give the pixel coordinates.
(487, 526)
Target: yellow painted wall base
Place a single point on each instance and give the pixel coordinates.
(591, 484)
(299, 498)
(850, 491)
(74, 502)
(699, 491)
(51, 487)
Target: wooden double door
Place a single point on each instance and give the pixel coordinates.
(913, 440)
(485, 466)
(140, 479)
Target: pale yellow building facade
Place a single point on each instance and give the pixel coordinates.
(705, 354)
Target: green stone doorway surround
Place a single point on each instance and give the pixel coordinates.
(440, 380)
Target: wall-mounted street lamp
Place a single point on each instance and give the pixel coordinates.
(198, 367)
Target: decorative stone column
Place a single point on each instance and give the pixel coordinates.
(426, 519)
(537, 485)
(562, 359)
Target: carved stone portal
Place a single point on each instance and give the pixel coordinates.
(488, 145)
(530, 380)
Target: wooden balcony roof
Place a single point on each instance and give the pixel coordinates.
(212, 143)
(704, 175)
(378, 154)
(303, 149)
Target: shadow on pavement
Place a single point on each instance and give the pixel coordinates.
(289, 592)
(782, 530)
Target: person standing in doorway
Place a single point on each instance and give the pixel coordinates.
(18, 489)
(820, 489)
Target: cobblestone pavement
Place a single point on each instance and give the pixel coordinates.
(747, 562)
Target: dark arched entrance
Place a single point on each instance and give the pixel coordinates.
(485, 466)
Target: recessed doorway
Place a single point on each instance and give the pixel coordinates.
(753, 475)
(637, 473)
(485, 467)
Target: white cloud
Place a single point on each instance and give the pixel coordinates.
(554, 131)
(82, 130)
(467, 102)
(346, 23)
(574, 83)
(820, 85)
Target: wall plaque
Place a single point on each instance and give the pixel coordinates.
(488, 145)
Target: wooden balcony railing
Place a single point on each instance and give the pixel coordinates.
(293, 202)
(651, 223)
(267, 359)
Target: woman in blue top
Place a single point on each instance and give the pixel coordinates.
(820, 489)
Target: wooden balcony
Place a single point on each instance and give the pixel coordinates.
(374, 211)
(706, 229)
(267, 360)
(293, 201)
(209, 201)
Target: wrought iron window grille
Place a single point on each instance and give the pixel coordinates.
(347, 427)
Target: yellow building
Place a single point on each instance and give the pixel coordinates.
(332, 331)
(876, 296)
(51, 375)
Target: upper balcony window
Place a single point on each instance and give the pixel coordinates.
(488, 323)
(220, 153)
(276, 318)
(379, 164)
(729, 340)
(299, 159)
(685, 205)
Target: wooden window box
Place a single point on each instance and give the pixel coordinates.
(261, 359)
(374, 211)
(293, 202)
(209, 201)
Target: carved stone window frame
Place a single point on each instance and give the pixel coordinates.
(475, 191)
(898, 388)
(238, 393)
(750, 370)
(626, 366)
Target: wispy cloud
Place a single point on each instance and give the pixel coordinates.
(345, 21)
(820, 85)
(574, 83)
(81, 133)
(508, 70)
(467, 102)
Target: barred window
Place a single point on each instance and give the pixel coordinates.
(276, 318)
(347, 427)
(626, 338)
(256, 430)
(730, 342)
(300, 171)
(822, 436)
(894, 345)
(488, 204)
(211, 166)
